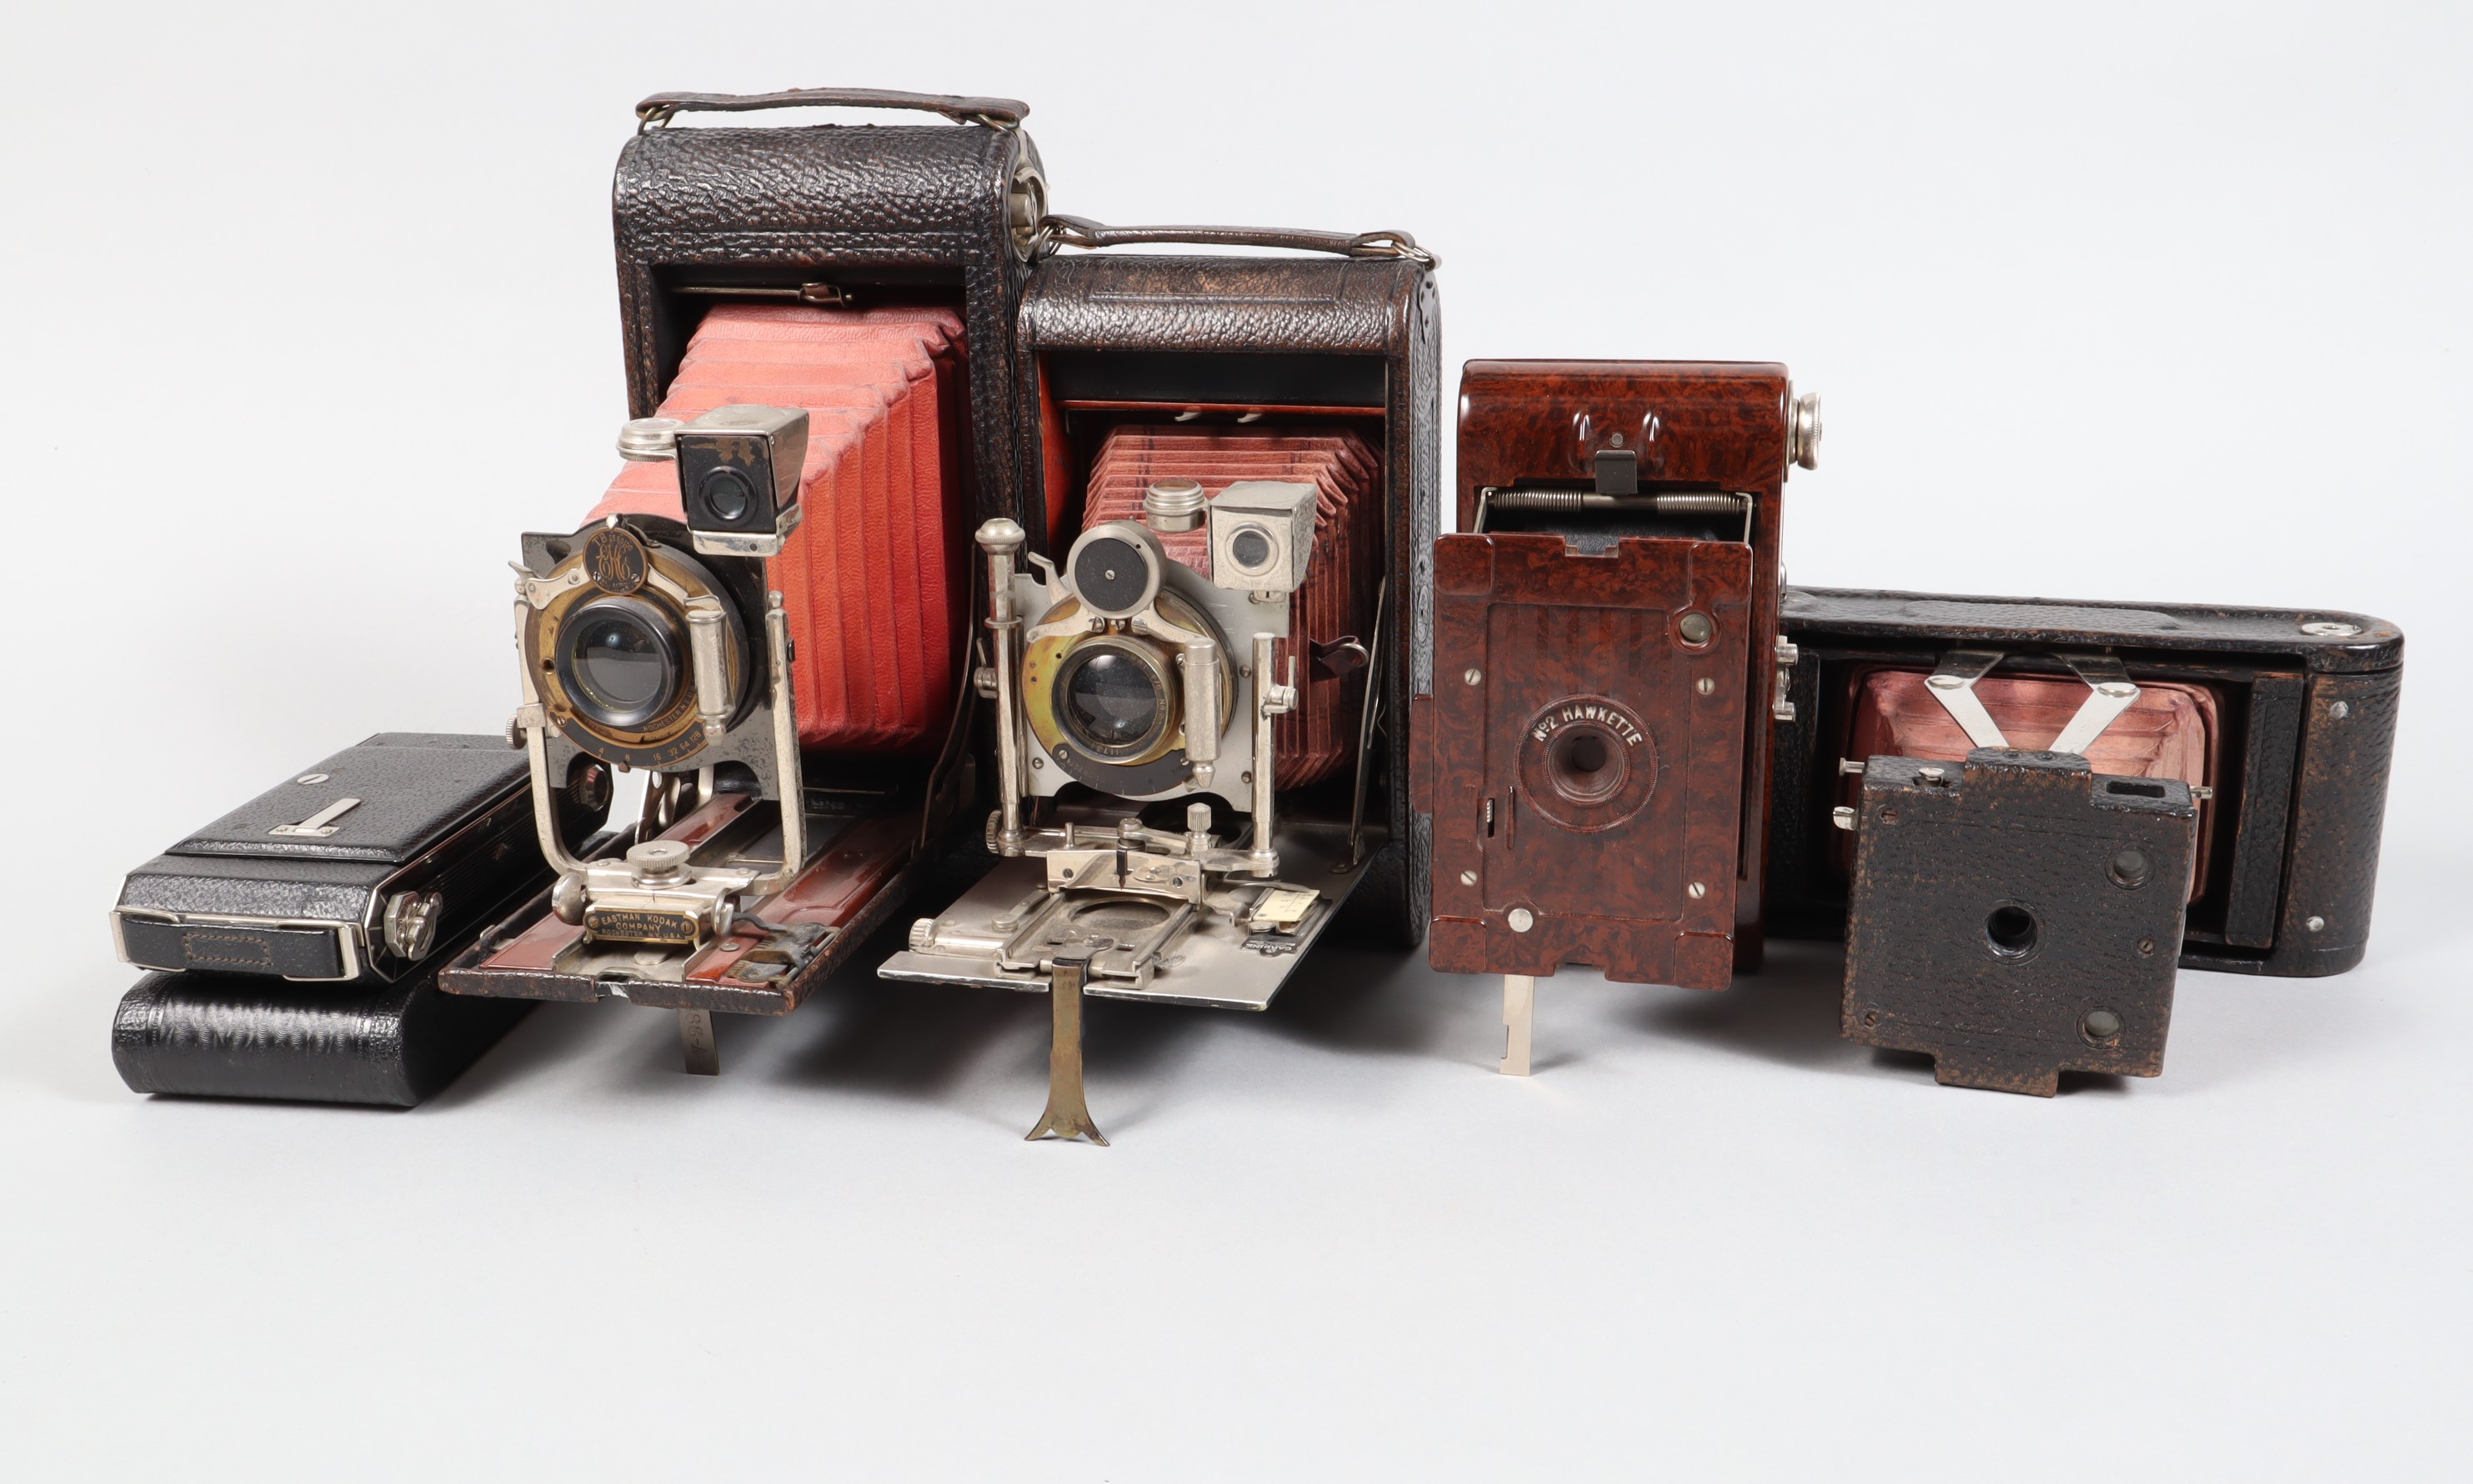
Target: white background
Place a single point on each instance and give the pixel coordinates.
(310, 311)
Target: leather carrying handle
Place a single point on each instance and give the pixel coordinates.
(1078, 232)
(995, 112)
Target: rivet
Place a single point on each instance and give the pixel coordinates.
(1946, 682)
(1520, 918)
(311, 778)
(1706, 687)
(1473, 675)
(2099, 1025)
(2340, 710)
(1038, 761)
(1696, 890)
(2314, 923)
(1467, 878)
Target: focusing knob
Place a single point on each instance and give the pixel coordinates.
(657, 861)
(1803, 431)
(411, 923)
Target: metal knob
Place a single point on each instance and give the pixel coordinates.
(411, 923)
(1172, 505)
(1803, 431)
(657, 861)
(649, 440)
(1001, 536)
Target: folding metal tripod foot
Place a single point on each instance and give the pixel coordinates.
(1519, 1009)
(1068, 1116)
(695, 1038)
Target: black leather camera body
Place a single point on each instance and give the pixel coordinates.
(297, 941)
(2286, 722)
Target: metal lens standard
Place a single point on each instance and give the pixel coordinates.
(619, 660)
(1111, 702)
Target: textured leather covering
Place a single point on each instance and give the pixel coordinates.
(921, 207)
(1111, 302)
(2308, 787)
(413, 788)
(208, 1034)
(1371, 307)
(1991, 917)
(2048, 621)
(444, 814)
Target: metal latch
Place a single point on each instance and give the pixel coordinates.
(1780, 707)
(322, 824)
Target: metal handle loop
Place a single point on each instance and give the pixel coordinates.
(999, 114)
(1077, 232)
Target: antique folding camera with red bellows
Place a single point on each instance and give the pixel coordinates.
(1607, 668)
(767, 612)
(1188, 506)
(1199, 689)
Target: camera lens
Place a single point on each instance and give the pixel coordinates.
(1111, 702)
(727, 494)
(618, 659)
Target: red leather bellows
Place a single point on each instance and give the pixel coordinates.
(873, 581)
(1319, 737)
(2169, 732)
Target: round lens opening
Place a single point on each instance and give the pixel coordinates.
(1250, 548)
(619, 660)
(1113, 703)
(2010, 929)
(1583, 764)
(728, 495)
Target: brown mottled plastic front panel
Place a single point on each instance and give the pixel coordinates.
(1694, 426)
(1577, 657)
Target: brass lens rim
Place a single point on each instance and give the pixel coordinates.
(669, 637)
(670, 582)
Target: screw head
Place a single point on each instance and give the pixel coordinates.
(1520, 918)
(1696, 890)
(1706, 687)
(1473, 675)
(1467, 878)
(2330, 629)
(1946, 682)
(2145, 947)
(311, 778)
(2314, 923)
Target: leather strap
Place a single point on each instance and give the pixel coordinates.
(995, 112)
(1077, 232)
